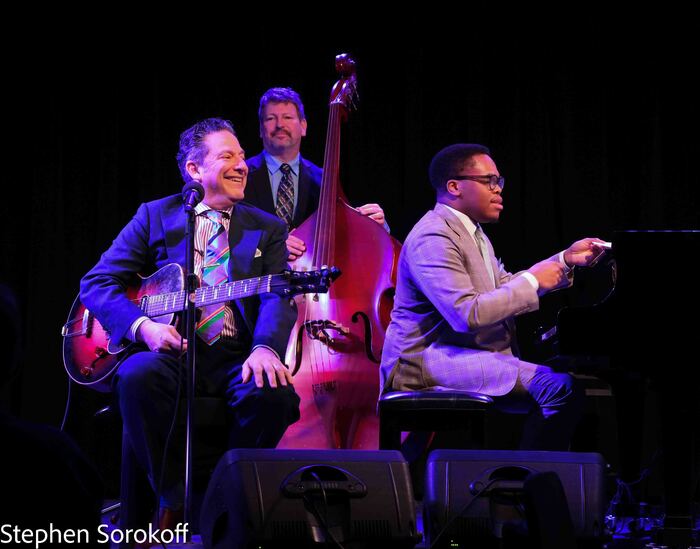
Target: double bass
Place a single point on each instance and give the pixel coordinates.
(336, 344)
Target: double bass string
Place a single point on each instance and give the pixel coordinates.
(339, 384)
(323, 236)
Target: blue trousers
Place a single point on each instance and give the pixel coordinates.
(554, 402)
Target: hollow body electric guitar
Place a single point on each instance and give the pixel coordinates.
(91, 357)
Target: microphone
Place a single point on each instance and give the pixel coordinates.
(192, 194)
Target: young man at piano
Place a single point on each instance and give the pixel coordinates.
(280, 180)
(239, 344)
(452, 325)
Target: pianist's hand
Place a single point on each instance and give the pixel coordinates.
(582, 252)
(550, 276)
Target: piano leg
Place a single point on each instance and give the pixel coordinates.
(629, 389)
(680, 422)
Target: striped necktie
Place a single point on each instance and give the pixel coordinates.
(483, 248)
(285, 195)
(214, 272)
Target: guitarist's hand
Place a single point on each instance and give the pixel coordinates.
(262, 360)
(161, 338)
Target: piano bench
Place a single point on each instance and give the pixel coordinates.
(427, 410)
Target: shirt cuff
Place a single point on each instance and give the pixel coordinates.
(266, 347)
(135, 326)
(567, 268)
(532, 280)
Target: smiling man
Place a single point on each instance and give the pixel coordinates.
(281, 181)
(238, 343)
(452, 323)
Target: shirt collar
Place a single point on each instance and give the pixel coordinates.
(200, 208)
(274, 163)
(465, 219)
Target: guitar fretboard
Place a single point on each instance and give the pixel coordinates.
(173, 302)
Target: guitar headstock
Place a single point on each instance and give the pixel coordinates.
(305, 282)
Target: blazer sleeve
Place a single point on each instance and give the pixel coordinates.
(103, 288)
(441, 271)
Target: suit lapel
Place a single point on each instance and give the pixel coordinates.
(174, 224)
(305, 183)
(260, 185)
(475, 261)
(243, 240)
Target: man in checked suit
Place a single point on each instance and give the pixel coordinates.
(452, 323)
(282, 125)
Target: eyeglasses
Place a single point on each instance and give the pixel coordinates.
(492, 181)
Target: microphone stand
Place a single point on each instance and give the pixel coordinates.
(191, 284)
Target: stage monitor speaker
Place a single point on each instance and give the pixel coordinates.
(308, 498)
(478, 494)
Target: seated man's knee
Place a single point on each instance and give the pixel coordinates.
(281, 401)
(281, 398)
(139, 373)
(572, 391)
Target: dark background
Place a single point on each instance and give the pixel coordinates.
(593, 130)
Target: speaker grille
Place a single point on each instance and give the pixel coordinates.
(468, 527)
(290, 529)
(371, 529)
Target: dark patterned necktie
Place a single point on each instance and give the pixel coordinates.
(214, 272)
(285, 195)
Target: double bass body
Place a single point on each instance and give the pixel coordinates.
(336, 343)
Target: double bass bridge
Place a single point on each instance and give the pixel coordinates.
(320, 330)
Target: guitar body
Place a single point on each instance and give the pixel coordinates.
(89, 355)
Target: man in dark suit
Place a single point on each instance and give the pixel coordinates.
(240, 359)
(280, 180)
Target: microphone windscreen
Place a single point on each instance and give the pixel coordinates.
(195, 186)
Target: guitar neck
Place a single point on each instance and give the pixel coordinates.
(174, 302)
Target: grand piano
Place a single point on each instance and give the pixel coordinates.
(648, 325)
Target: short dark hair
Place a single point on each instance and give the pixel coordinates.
(451, 160)
(281, 95)
(192, 146)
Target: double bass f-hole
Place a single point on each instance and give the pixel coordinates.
(368, 335)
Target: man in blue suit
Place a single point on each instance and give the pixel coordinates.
(242, 361)
(282, 125)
